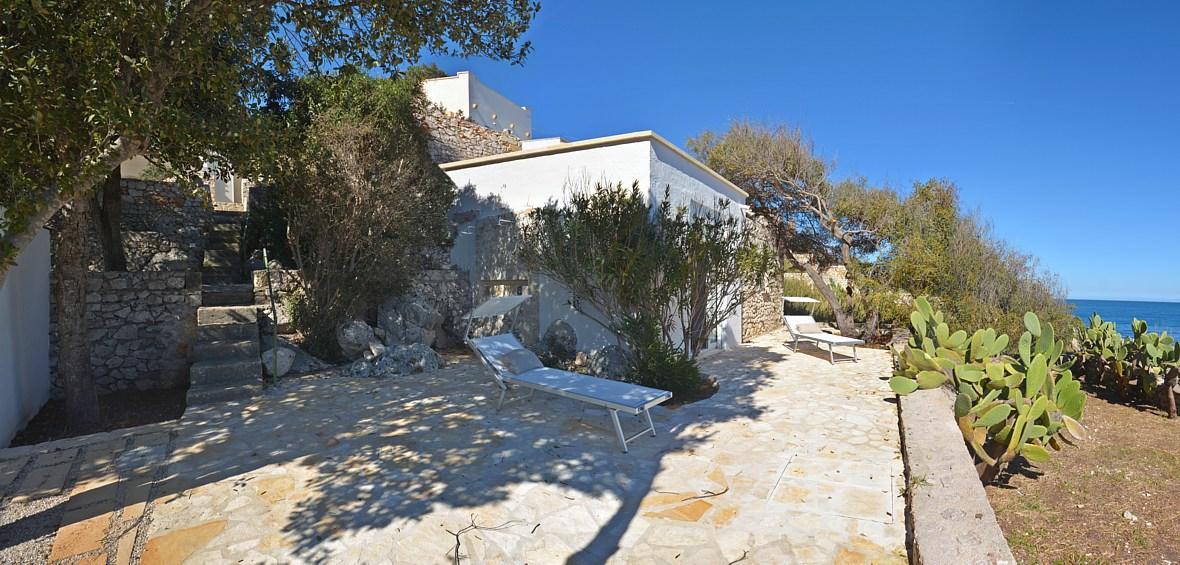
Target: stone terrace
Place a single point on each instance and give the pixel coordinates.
(794, 460)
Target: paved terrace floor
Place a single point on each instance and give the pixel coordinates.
(794, 460)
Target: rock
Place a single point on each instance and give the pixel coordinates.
(361, 368)
(406, 360)
(376, 349)
(561, 341)
(354, 338)
(1129, 516)
(286, 358)
(609, 362)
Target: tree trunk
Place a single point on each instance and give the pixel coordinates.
(73, 343)
(844, 321)
(109, 200)
(50, 199)
(1169, 393)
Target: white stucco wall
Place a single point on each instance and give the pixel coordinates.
(465, 94)
(515, 186)
(519, 185)
(24, 338)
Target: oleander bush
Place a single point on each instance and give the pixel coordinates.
(1006, 406)
(1144, 368)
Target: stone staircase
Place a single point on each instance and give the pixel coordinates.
(226, 363)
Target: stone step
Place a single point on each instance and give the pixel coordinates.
(208, 395)
(224, 372)
(224, 332)
(226, 349)
(227, 294)
(221, 276)
(225, 228)
(217, 315)
(224, 244)
(221, 259)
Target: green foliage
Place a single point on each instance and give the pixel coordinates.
(86, 85)
(1143, 368)
(975, 278)
(1006, 406)
(656, 363)
(361, 196)
(633, 265)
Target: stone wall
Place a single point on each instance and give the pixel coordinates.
(163, 227)
(763, 311)
(455, 138)
(141, 325)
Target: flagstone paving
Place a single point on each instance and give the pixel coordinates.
(794, 460)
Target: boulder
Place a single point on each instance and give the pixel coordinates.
(286, 358)
(561, 341)
(354, 338)
(609, 362)
(406, 360)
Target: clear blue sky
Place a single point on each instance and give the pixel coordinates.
(1059, 121)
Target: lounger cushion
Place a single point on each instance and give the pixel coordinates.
(809, 328)
(520, 361)
(594, 390)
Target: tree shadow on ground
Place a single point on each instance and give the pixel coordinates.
(380, 452)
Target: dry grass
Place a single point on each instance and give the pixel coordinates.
(1071, 509)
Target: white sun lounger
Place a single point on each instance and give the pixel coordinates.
(818, 338)
(615, 396)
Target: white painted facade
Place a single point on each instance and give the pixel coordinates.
(513, 183)
(24, 338)
(466, 95)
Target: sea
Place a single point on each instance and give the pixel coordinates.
(1160, 316)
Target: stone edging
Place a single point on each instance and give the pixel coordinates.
(948, 515)
(78, 441)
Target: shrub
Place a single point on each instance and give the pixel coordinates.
(362, 197)
(657, 364)
(1005, 406)
(1144, 368)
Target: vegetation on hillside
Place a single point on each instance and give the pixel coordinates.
(894, 246)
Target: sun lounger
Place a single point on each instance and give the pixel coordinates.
(496, 353)
(804, 328)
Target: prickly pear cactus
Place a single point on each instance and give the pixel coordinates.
(1142, 368)
(1005, 406)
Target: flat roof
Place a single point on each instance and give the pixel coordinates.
(596, 142)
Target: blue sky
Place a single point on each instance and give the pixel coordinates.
(1060, 122)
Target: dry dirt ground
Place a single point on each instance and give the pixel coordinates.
(1114, 498)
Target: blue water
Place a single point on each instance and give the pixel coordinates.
(1160, 316)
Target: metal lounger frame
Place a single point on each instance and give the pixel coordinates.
(503, 383)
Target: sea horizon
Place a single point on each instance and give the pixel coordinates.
(1160, 315)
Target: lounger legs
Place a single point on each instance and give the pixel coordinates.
(614, 416)
(831, 355)
(623, 439)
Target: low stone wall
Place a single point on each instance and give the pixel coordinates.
(455, 138)
(949, 517)
(284, 282)
(140, 326)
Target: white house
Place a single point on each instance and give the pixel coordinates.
(24, 338)
(496, 189)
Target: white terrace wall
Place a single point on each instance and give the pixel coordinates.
(24, 338)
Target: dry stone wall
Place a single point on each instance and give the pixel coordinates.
(140, 327)
(455, 138)
(763, 311)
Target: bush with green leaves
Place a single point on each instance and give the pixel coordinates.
(1005, 406)
(640, 268)
(1144, 368)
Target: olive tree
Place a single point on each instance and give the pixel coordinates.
(87, 85)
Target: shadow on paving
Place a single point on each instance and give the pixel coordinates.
(394, 449)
